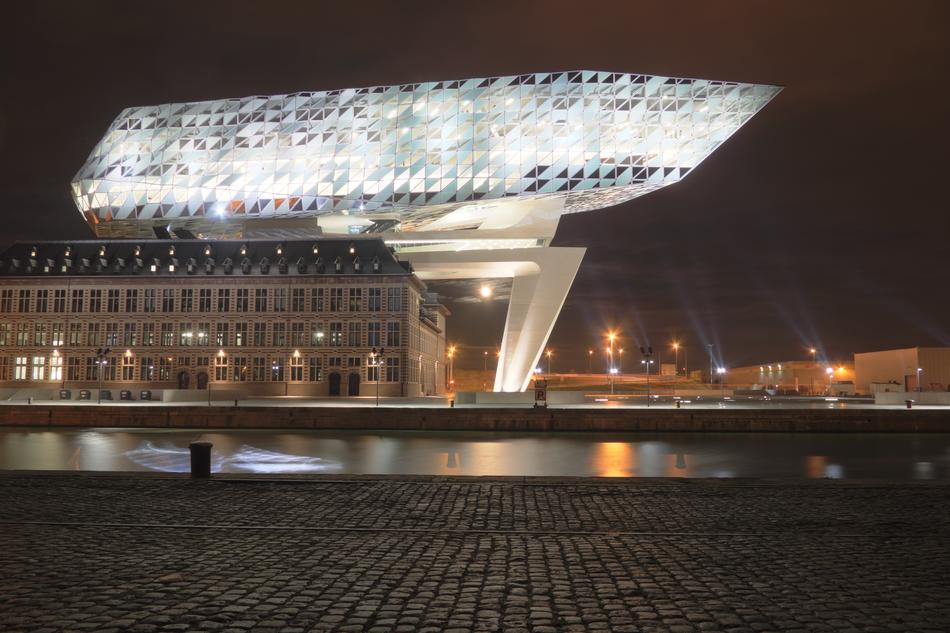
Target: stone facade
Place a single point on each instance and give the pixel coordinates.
(253, 318)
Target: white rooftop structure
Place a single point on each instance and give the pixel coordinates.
(466, 178)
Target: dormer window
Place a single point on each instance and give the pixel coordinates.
(243, 250)
(338, 265)
(319, 264)
(191, 266)
(119, 264)
(102, 251)
(377, 267)
(357, 265)
(154, 265)
(207, 250)
(265, 266)
(138, 265)
(282, 266)
(32, 251)
(280, 249)
(171, 250)
(301, 266)
(246, 266)
(352, 248)
(172, 265)
(209, 265)
(228, 266)
(316, 249)
(138, 250)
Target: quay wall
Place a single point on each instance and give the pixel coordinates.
(480, 419)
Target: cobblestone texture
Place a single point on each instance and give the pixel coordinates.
(86, 553)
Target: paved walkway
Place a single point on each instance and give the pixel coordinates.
(144, 553)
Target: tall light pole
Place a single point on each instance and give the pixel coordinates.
(814, 361)
(101, 355)
(610, 371)
(377, 359)
(709, 347)
(620, 362)
(676, 361)
(647, 354)
(722, 383)
(590, 360)
(451, 366)
(549, 354)
(920, 370)
(485, 363)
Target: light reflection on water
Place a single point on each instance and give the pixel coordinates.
(836, 456)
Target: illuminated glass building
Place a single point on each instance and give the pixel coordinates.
(465, 178)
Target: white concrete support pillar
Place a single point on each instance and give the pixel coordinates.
(537, 295)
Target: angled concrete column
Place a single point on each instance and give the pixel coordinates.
(537, 295)
(541, 279)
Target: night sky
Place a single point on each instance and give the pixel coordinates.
(824, 221)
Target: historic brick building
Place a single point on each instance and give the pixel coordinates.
(299, 318)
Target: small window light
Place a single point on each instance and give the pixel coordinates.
(171, 268)
(280, 249)
(316, 249)
(32, 251)
(138, 250)
(102, 251)
(207, 250)
(352, 248)
(243, 249)
(171, 250)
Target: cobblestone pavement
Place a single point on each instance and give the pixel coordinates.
(140, 553)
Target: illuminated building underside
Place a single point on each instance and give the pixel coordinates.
(466, 178)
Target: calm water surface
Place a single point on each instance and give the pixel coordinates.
(896, 456)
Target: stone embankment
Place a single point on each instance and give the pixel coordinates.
(481, 419)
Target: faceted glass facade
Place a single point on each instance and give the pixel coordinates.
(411, 153)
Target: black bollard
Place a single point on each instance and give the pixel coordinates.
(452, 403)
(200, 459)
(677, 404)
(909, 403)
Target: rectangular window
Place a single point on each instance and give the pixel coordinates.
(224, 300)
(78, 298)
(204, 300)
(374, 302)
(39, 368)
(280, 299)
(373, 336)
(168, 300)
(168, 334)
(147, 369)
(92, 368)
(356, 299)
(276, 371)
(6, 334)
(260, 334)
(279, 336)
(317, 336)
(240, 334)
(59, 301)
(42, 300)
(260, 299)
(95, 300)
(4, 368)
(296, 368)
(258, 369)
(109, 369)
(316, 300)
(72, 368)
(242, 300)
(148, 334)
(131, 300)
(336, 334)
(220, 367)
(240, 369)
(58, 335)
(186, 336)
(298, 337)
(56, 367)
(334, 361)
(372, 368)
(130, 334)
(112, 334)
(353, 334)
(221, 335)
(148, 305)
(75, 334)
(40, 334)
(165, 369)
(297, 300)
(204, 334)
(94, 335)
(392, 370)
(354, 362)
(394, 299)
(187, 300)
(315, 373)
(112, 304)
(23, 334)
(128, 367)
(6, 300)
(336, 299)
(392, 334)
(20, 368)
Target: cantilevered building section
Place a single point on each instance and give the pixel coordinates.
(465, 178)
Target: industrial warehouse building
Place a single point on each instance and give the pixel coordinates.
(331, 317)
(898, 370)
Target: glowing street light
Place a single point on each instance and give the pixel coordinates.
(590, 360)
(451, 356)
(920, 370)
(722, 383)
(485, 291)
(549, 353)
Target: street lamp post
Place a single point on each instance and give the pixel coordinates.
(377, 358)
(590, 360)
(620, 362)
(101, 355)
(610, 352)
(451, 365)
(920, 370)
(485, 363)
(676, 361)
(647, 354)
(549, 354)
(814, 361)
(722, 383)
(709, 347)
